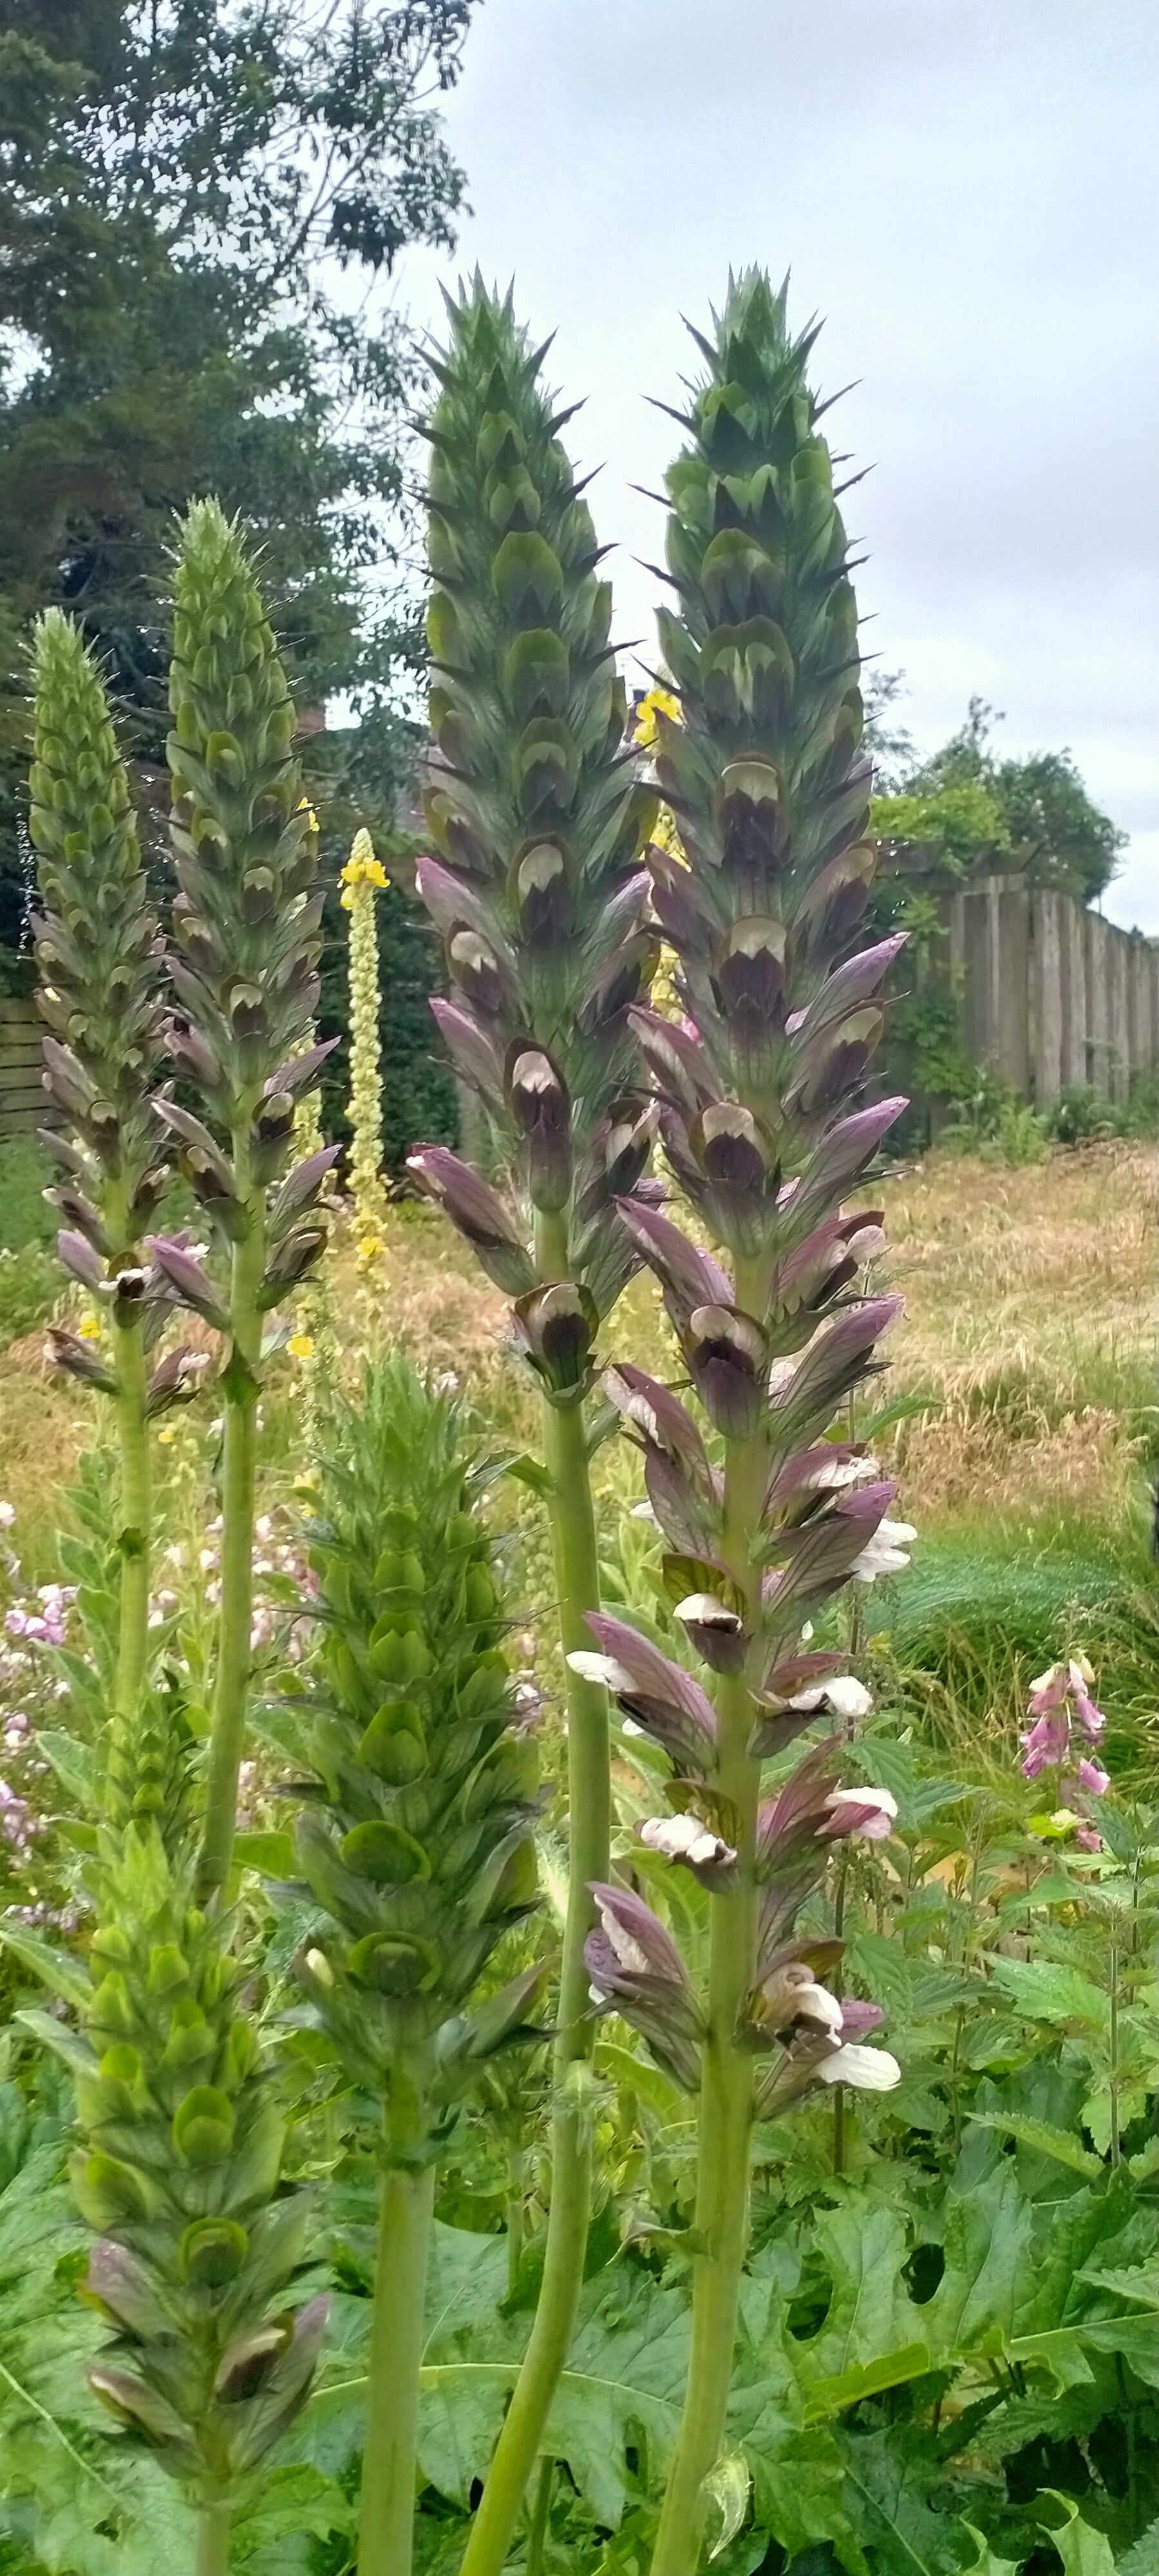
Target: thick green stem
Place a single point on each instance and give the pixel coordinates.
(540, 2521)
(577, 1579)
(227, 1737)
(133, 1537)
(516, 2192)
(726, 2092)
(396, 2350)
(213, 2541)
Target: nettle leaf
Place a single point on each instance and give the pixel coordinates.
(1063, 2147)
(1083, 2551)
(1143, 2558)
(1046, 1991)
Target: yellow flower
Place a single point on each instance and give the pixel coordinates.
(305, 807)
(659, 702)
(300, 1346)
(89, 1328)
(306, 1482)
(362, 868)
(166, 1436)
(369, 1248)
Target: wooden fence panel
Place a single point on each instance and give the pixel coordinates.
(22, 1101)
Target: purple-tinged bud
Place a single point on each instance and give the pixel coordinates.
(189, 1282)
(716, 1631)
(868, 1815)
(555, 1329)
(837, 1357)
(474, 1058)
(659, 1419)
(676, 1061)
(542, 1113)
(125, 2289)
(478, 1212)
(80, 1259)
(80, 1213)
(298, 1073)
(301, 1189)
(66, 1081)
(728, 1358)
(138, 2406)
(176, 1379)
(543, 894)
(662, 1699)
(788, 1825)
(636, 1969)
(842, 1155)
(289, 1262)
(80, 1360)
(688, 1278)
(477, 972)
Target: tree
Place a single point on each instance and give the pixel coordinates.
(201, 205)
(971, 808)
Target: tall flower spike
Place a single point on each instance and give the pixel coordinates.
(98, 954)
(362, 878)
(536, 887)
(246, 918)
(759, 1086)
(416, 1845)
(196, 2248)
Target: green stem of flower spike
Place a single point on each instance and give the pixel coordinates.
(573, 1532)
(213, 2541)
(133, 1435)
(726, 2091)
(239, 1461)
(396, 2347)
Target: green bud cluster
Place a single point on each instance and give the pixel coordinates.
(246, 917)
(97, 950)
(417, 1844)
(534, 807)
(178, 2174)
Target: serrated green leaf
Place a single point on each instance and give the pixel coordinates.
(1047, 2141)
(1083, 2551)
(1044, 1990)
(1143, 2558)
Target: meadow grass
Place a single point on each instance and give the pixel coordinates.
(1027, 1350)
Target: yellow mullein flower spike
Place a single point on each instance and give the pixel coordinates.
(362, 876)
(89, 1328)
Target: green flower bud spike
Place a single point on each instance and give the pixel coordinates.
(537, 890)
(196, 2246)
(417, 1846)
(98, 951)
(246, 919)
(764, 1126)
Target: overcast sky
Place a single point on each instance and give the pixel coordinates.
(968, 190)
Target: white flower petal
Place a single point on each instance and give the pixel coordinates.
(627, 1952)
(847, 1696)
(869, 2070)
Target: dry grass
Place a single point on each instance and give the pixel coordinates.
(1029, 1326)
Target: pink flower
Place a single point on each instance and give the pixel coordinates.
(1093, 1778)
(1088, 1840)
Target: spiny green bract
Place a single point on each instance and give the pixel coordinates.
(245, 917)
(418, 1845)
(532, 800)
(196, 2252)
(97, 944)
(765, 771)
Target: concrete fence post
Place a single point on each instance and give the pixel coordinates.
(1047, 993)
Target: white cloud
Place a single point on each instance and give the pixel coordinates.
(967, 190)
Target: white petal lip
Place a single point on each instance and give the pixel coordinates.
(818, 2004)
(847, 1696)
(863, 1798)
(684, 1838)
(705, 1611)
(869, 2070)
(628, 1952)
(601, 1668)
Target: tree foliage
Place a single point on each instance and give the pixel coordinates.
(975, 810)
(201, 204)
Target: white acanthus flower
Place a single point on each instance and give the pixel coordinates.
(685, 1838)
(627, 1951)
(846, 1696)
(869, 2070)
(876, 1827)
(834, 1475)
(885, 1551)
